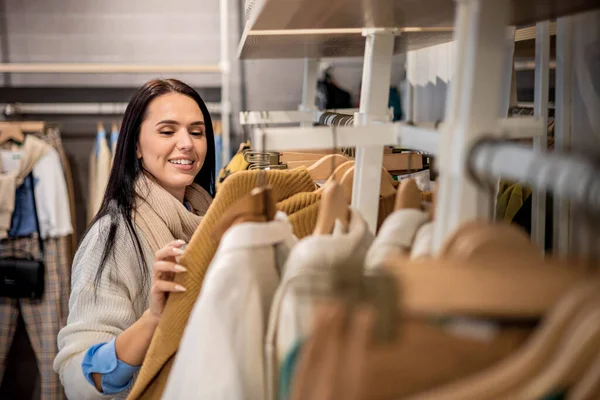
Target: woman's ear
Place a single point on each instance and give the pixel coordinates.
(138, 153)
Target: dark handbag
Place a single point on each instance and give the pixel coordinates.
(24, 277)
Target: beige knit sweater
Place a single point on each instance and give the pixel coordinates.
(121, 300)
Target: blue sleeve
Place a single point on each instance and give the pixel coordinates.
(102, 359)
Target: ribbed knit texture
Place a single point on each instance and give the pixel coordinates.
(162, 218)
(297, 202)
(199, 253)
(305, 220)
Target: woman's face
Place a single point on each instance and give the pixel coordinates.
(172, 142)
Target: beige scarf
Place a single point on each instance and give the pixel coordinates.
(33, 149)
(162, 218)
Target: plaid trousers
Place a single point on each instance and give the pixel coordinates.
(43, 318)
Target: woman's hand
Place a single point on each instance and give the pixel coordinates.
(165, 268)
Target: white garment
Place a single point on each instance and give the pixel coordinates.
(423, 243)
(395, 236)
(221, 353)
(99, 173)
(314, 256)
(51, 195)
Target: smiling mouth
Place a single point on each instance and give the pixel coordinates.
(181, 162)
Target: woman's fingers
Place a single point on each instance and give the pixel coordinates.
(167, 266)
(167, 286)
(172, 249)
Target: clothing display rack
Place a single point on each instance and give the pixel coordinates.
(477, 100)
(103, 108)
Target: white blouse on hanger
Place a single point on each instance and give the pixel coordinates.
(396, 235)
(221, 354)
(291, 313)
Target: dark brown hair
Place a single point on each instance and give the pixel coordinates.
(119, 198)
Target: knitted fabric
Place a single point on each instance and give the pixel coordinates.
(162, 218)
(199, 253)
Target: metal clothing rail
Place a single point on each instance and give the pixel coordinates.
(101, 108)
(567, 176)
(290, 117)
(88, 68)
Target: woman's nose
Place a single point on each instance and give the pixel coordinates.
(184, 141)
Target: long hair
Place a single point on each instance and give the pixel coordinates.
(119, 197)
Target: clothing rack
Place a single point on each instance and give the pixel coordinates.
(564, 175)
(332, 118)
(103, 108)
(291, 117)
(478, 98)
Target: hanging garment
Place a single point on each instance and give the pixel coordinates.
(114, 137)
(91, 187)
(99, 173)
(330, 96)
(227, 327)
(53, 206)
(423, 243)
(11, 177)
(237, 163)
(43, 318)
(305, 220)
(291, 315)
(511, 197)
(395, 236)
(199, 253)
(99, 313)
(303, 210)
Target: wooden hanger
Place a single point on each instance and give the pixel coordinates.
(11, 132)
(578, 346)
(507, 287)
(588, 387)
(114, 127)
(483, 240)
(386, 188)
(333, 207)
(99, 127)
(14, 130)
(424, 355)
(257, 206)
(408, 195)
(534, 354)
(322, 169)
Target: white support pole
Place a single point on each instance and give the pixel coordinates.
(377, 70)
(562, 128)
(309, 84)
(509, 52)
(225, 82)
(411, 72)
(472, 111)
(540, 110)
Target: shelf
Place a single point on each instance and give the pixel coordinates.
(323, 14)
(329, 43)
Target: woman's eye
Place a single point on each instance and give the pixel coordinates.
(198, 133)
(166, 132)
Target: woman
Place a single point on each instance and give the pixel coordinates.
(161, 184)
